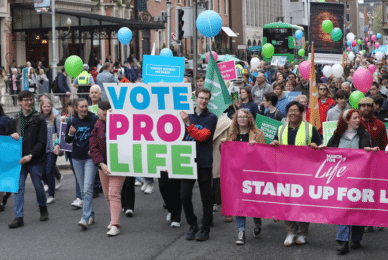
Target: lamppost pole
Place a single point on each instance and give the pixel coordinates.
(54, 40)
(168, 24)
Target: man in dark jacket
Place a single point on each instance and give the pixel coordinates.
(64, 89)
(200, 128)
(31, 126)
(129, 73)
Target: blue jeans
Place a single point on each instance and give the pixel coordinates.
(51, 160)
(85, 171)
(78, 194)
(149, 180)
(35, 171)
(344, 231)
(241, 222)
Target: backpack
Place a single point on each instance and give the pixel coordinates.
(55, 87)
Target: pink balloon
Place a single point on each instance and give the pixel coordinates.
(348, 48)
(377, 45)
(304, 69)
(368, 44)
(367, 39)
(214, 55)
(373, 38)
(372, 68)
(362, 80)
(354, 43)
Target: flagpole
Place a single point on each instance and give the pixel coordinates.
(313, 104)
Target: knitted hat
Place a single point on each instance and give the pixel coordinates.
(365, 100)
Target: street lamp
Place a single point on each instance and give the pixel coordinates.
(68, 22)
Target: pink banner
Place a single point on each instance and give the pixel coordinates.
(228, 70)
(332, 186)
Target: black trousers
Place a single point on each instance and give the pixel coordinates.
(217, 191)
(205, 188)
(128, 194)
(170, 190)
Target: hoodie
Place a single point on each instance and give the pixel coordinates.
(334, 113)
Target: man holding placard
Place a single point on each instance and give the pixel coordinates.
(200, 128)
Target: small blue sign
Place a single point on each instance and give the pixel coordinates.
(10, 155)
(26, 84)
(291, 95)
(159, 69)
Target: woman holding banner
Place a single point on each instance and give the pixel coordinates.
(243, 129)
(351, 134)
(78, 132)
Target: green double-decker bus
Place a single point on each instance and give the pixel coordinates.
(282, 37)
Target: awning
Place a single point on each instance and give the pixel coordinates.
(229, 32)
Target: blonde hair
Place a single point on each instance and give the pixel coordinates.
(235, 130)
(51, 116)
(329, 94)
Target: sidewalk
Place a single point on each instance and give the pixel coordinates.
(62, 163)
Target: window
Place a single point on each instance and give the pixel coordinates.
(179, 2)
(348, 6)
(304, 13)
(348, 17)
(257, 13)
(219, 6)
(252, 12)
(247, 11)
(294, 0)
(225, 7)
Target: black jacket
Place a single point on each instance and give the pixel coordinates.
(365, 140)
(35, 136)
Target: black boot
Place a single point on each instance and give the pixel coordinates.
(343, 248)
(43, 213)
(355, 245)
(17, 222)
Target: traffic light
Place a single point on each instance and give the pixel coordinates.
(180, 23)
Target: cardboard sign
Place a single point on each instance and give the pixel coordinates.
(62, 143)
(144, 133)
(269, 126)
(228, 70)
(163, 69)
(10, 155)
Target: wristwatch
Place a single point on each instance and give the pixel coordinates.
(30, 155)
(188, 124)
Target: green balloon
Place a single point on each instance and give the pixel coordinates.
(327, 26)
(355, 97)
(73, 66)
(307, 42)
(363, 51)
(301, 52)
(322, 1)
(268, 50)
(336, 34)
(359, 41)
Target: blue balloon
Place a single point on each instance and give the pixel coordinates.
(124, 35)
(299, 34)
(378, 36)
(166, 52)
(209, 23)
(349, 43)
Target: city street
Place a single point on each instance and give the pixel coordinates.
(148, 236)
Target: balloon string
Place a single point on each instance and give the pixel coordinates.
(210, 25)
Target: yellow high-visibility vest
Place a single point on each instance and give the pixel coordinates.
(303, 136)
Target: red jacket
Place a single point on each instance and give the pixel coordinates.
(377, 130)
(322, 112)
(97, 143)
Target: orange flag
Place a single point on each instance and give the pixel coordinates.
(125, 80)
(315, 119)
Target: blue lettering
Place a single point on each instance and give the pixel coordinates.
(178, 98)
(160, 92)
(146, 98)
(118, 103)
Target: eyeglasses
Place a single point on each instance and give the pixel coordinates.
(293, 111)
(202, 98)
(364, 105)
(27, 100)
(323, 89)
(242, 117)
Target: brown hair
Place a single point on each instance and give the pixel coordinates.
(249, 92)
(329, 94)
(204, 90)
(342, 125)
(235, 130)
(106, 66)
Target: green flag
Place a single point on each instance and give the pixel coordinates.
(220, 99)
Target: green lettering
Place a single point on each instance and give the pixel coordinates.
(152, 160)
(177, 159)
(115, 166)
(137, 159)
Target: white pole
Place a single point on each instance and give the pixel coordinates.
(168, 24)
(54, 40)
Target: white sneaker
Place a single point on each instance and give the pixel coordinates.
(91, 220)
(77, 203)
(129, 213)
(144, 187)
(175, 224)
(149, 189)
(83, 224)
(301, 240)
(59, 183)
(289, 240)
(109, 226)
(137, 183)
(50, 200)
(46, 188)
(168, 218)
(114, 231)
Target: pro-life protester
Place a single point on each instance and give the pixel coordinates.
(78, 132)
(300, 133)
(243, 129)
(111, 185)
(351, 134)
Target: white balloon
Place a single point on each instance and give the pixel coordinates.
(350, 36)
(351, 56)
(255, 62)
(337, 70)
(379, 55)
(327, 71)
